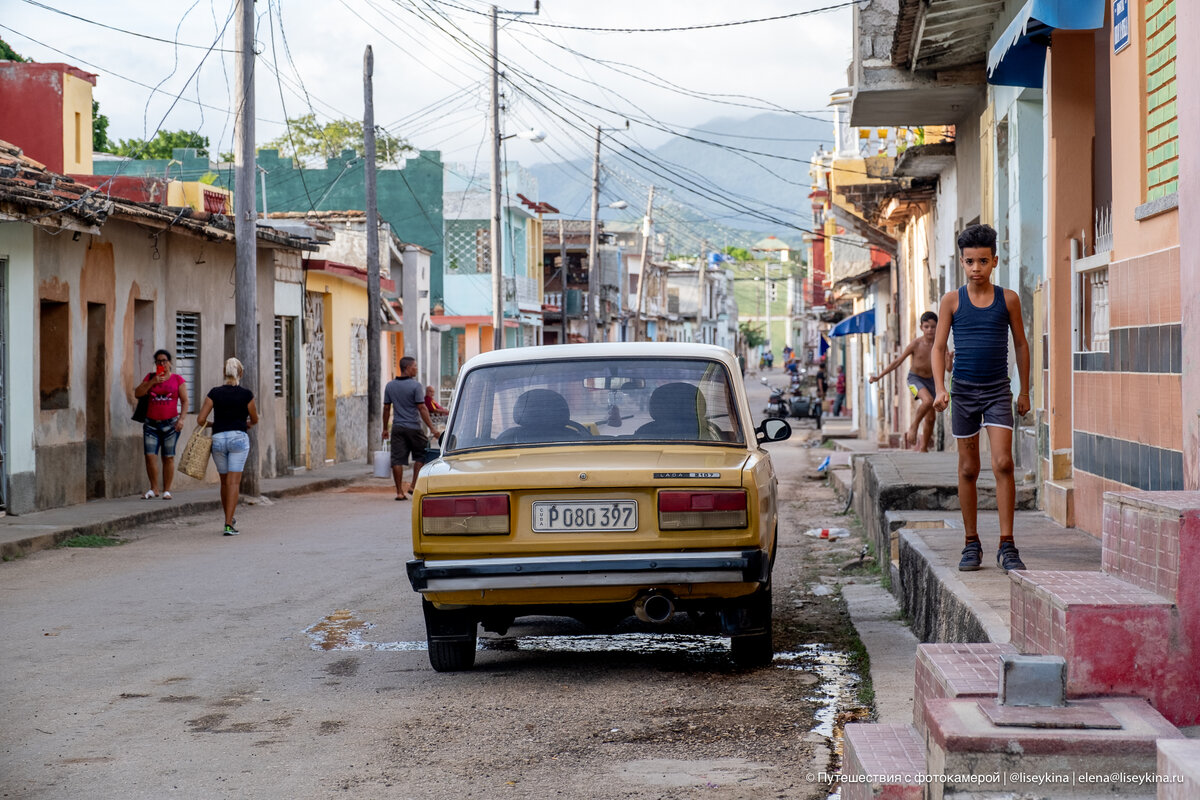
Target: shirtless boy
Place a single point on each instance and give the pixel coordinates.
(920, 378)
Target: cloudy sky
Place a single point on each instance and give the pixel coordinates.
(431, 66)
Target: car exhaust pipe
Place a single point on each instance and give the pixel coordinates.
(654, 607)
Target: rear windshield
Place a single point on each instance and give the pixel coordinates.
(594, 401)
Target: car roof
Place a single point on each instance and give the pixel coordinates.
(557, 352)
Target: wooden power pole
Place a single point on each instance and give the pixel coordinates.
(594, 278)
(245, 236)
(374, 399)
(641, 326)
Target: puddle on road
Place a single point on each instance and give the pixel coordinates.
(835, 696)
(642, 643)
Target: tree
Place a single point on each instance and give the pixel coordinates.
(8, 54)
(308, 138)
(162, 146)
(751, 335)
(739, 253)
(100, 141)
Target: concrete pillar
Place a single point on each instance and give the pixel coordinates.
(1070, 94)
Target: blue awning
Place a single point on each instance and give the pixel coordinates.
(859, 323)
(1019, 56)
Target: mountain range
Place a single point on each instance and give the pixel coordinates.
(707, 186)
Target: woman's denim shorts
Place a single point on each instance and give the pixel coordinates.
(229, 451)
(160, 434)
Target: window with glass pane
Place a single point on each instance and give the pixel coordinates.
(589, 402)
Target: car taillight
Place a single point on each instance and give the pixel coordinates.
(694, 510)
(466, 514)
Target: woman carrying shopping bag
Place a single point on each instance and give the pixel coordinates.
(233, 411)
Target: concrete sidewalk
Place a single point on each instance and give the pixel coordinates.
(20, 535)
(908, 503)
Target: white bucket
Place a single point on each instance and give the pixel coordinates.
(383, 463)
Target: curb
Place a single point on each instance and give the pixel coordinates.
(53, 538)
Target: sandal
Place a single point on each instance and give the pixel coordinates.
(149, 495)
(166, 495)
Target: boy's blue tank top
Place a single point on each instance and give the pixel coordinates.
(980, 340)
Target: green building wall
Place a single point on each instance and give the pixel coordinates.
(410, 199)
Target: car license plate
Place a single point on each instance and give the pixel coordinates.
(584, 515)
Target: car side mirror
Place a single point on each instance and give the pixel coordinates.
(773, 430)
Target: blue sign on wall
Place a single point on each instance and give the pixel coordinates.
(1120, 25)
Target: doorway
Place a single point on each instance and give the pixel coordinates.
(3, 385)
(96, 407)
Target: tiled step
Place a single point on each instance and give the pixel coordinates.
(1117, 638)
(1150, 539)
(894, 755)
(1179, 766)
(955, 670)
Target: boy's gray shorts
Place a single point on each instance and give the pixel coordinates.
(973, 407)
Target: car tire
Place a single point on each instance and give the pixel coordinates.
(756, 649)
(452, 637)
(452, 656)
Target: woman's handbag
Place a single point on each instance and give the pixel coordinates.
(143, 406)
(194, 461)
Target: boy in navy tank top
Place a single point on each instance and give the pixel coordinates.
(981, 316)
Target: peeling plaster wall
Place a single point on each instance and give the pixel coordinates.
(176, 272)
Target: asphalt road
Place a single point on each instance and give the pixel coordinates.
(289, 662)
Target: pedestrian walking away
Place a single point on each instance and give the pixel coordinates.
(981, 315)
(920, 382)
(839, 389)
(164, 420)
(404, 403)
(234, 413)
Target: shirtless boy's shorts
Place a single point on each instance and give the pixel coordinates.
(973, 407)
(922, 383)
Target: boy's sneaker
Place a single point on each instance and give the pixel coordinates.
(972, 557)
(1008, 557)
(230, 530)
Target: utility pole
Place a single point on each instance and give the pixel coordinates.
(767, 299)
(594, 243)
(496, 230)
(374, 401)
(564, 272)
(245, 229)
(698, 336)
(642, 329)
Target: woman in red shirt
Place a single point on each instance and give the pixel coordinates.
(164, 421)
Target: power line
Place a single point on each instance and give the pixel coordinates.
(675, 29)
(123, 30)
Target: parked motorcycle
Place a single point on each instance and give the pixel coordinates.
(777, 404)
(803, 406)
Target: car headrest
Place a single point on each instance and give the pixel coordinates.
(541, 408)
(676, 401)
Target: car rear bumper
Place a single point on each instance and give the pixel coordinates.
(619, 569)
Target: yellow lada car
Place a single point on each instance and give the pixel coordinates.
(598, 481)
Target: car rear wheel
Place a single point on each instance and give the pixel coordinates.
(451, 636)
(756, 649)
